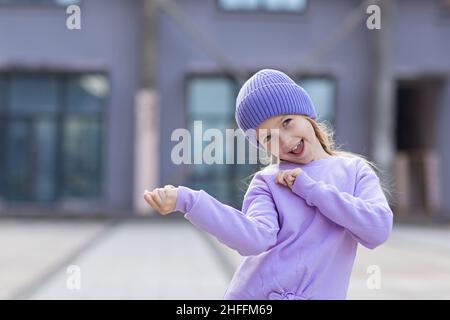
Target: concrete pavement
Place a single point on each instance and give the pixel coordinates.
(32, 250)
(171, 259)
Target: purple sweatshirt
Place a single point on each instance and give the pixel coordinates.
(298, 243)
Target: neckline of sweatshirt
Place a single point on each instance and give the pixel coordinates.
(314, 163)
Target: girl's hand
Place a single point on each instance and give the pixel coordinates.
(287, 177)
(163, 200)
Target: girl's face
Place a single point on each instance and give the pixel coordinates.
(294, 141)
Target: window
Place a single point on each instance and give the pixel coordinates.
(81, 132)
(2, 92)
(211, 99)
(265, 5)
(322, 92)
(51, 135)
(41, 2)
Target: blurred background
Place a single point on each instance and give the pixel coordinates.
(87, 113)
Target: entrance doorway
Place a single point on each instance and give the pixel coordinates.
(417, 165)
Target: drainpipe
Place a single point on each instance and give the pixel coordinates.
(383, 117)
(146, 140)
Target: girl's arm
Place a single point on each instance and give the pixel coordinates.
(250, 231)
(366, 214)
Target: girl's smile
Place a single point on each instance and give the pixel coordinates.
(298, 150)
(290, 137)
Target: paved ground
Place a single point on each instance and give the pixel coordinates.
(171, 259)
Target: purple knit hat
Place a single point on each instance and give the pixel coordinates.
(266, 94)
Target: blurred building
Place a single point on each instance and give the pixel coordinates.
(67, 100)
(74, 103)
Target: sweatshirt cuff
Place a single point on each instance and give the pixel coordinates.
(303, 185)
(186, 198)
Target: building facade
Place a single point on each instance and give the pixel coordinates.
(68, 97)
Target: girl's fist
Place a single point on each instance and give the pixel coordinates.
(163, 200)
(287, 177)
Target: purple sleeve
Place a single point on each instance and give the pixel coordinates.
(250, 231)
(366, 214)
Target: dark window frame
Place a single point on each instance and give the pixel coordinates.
(37, 4)
(63, 77)
(262, 11)
(234, 191)
(325, 76)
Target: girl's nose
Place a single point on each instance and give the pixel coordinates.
(286, 142)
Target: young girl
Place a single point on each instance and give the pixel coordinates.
(301, 218)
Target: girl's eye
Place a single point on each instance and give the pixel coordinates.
(286, 122)
(267, 138)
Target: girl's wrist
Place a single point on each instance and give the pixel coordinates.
(185, 199)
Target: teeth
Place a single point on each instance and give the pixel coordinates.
(296, 146)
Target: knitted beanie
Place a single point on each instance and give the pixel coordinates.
(266, 94)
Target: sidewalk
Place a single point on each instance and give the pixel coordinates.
(30, 250)
(414, 264)
(134, 259)
(171, 259)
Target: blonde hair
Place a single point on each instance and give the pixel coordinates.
(325, 135)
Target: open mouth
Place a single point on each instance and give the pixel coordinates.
(298, 149)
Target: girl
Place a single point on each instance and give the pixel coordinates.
(302, 217)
